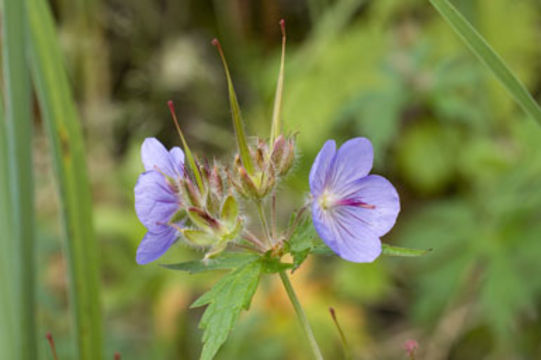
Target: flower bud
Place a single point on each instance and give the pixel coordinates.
(216, 181)
(283, 155)
(288, 158)
(190, 194)
(247, 186)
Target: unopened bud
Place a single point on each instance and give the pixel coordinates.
(288, 159)
(190, 193)
(248, 187)
(216, 181)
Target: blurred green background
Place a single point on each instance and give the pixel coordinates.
(465, 159)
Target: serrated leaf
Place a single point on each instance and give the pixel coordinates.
(225, 300)
(226, 261)
(301, 242)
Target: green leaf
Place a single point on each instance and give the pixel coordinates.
(63, 129)
(302, 241)
(389, 250)
(488, 56)
(7, 301)
(271, 264)
(19, 179)
(226, 261)
(225, 300)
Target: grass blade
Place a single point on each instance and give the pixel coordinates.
(65, 135)
(488, 56)
(7, 301)
(19, 181)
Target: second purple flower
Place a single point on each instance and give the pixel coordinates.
(351, 210)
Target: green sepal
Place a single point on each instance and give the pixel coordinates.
(199, 237)
(230, 210)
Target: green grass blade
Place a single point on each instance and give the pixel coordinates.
(7, 302)
(65, 135)
(488, 56)
(18, 136)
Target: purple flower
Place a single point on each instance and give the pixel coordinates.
(351, 210)
(157, 198)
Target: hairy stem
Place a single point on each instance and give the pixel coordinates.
(263, 219)
(301, 316)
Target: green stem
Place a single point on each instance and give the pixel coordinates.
(263, 219)
(301, 316)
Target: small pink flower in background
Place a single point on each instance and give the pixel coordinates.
(410, 346)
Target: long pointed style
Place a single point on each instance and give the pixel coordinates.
(276, 126)
(19, 178)
(237, 118)
(189, 155)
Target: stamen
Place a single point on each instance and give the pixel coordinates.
(356, 203)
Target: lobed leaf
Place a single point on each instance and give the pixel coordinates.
(225, 300)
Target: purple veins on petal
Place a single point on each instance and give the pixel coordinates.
(155, 245)
(155, 201)
(350, 208)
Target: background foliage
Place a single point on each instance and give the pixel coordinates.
(465, 159)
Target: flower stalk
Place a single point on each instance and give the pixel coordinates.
(301, 316)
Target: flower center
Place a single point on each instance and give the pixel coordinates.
(327, 200)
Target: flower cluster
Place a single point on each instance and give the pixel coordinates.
(270, 163)
(197, 202)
